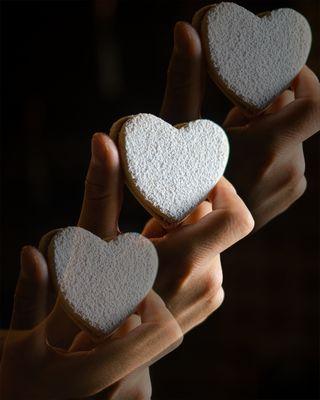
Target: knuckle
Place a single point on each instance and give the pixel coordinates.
(313, 107)
(241, 220)
(298, 189)
(294, 172)
(215, 301)
(212, 283)
(169, 329)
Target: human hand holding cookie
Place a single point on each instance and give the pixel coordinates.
(64, 337)
(252, 153)
(190, 274)
(274, 178)
(171, 171)
(69, 332)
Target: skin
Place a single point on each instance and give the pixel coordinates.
(278, 180)
(116, 368)
(44, 342)
(267, 147)
(190, 275)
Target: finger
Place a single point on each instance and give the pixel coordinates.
(281, 101)
(306, 84)
(130, 323)
(199, 212)
(103, 189)
(278, 202)
(60, 329)
(229, 221)
(30, 302)
(43, 248)
(201, 311)
(135, 386)
(87, 373)
(153, 229)
(185, 79)
(83, 341)
(235, 118)
(298, 120)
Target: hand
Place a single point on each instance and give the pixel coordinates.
(190, 276)
(45, 355)
(267, 161)
(99, 214)
(269, 148)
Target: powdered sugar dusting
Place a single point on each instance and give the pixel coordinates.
(103, 282)
(174, 169)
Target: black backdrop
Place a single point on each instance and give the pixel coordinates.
(72, 68)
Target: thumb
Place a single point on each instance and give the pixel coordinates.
(103, 189)
(185, 80)
(32, 290)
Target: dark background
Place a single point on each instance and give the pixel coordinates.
(72, 68)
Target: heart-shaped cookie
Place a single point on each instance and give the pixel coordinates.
(253, 58)
(171, 170)
(101, 283)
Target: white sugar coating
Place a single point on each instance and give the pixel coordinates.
(103, 282)
(174, 169)
(256, 58)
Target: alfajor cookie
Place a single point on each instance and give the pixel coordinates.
(253, 58)
(170, 170)
(100, 283)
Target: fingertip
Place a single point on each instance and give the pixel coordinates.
(25, 250)
(103, 150)
(199, 212)
(235, 118)
(98, 148)
(280, 102)
(223, 186)
(186, 40)
(150, 306)
(306, 84)
(185, 80)
(153, 229)
(306, 71)
(33, 265)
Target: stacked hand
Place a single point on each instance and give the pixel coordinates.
(267, 161)
(45, 355)
(189, 281)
